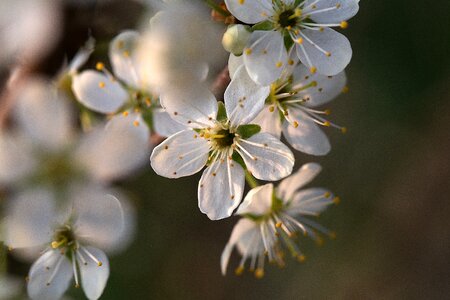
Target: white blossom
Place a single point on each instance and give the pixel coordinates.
(71, 238)
(291, 107)
(272, 217)
(216, 139)
(124, 90)
(306, 24)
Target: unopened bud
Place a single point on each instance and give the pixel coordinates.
(235, 38)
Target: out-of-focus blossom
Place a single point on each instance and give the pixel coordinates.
(44, 147)
(72, 237)
(125, 90)
(219, 135)
(28, 29)
(291, 106)
(305, 24)
(272, 217)
(182, 46)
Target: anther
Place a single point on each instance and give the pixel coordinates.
(327, 112)
(271, 108)
(136, 123)
(248, 51)
(279, 64)
(344, 24)
(313, 70)
(345, 89)
(259, 273)
(239, 270)
(101, 84)
(336, 200)
(344, 130)
(278, 224)
(166, 147)
(299, 40)
(295, 123)
(328, 54)
(291, 62)
(332, 235)
(301, 258)
(125, 113)
(327, 194)
(99, 66)
(326, 124)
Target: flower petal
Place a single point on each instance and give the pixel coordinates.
(41, 285)
(344, 10)
(244, 98)
(29, 218)
(327, 87)
(93, 275)
(44, 114)
(266, 56)
(266, 157)
(116, 150)
(99, 218)
(220, 189)
(191, 106)
(16, 160)
(327, 50)
(307, 137)
(98, 92)
(302, 177)
(121, 51)
(311, 201)
(164, 125)
(250, 11)
(234, 62)
(258, 201)
(269, 122)
(182, 154)
(82, 56)
(242, 227)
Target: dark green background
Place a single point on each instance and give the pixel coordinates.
(391, 170)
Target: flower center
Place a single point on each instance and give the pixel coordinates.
(288, 18)
(222, 138)
(64, 237)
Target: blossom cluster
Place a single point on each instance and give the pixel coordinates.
(71, 138)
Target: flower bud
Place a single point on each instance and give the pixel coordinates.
(235, 38)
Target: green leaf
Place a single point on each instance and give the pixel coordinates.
(237, 158)
(266, 25)
(288, 42)
(147, 115)
(221, 112)
(246, 131)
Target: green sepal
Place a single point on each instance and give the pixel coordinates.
(297, 2)
(265, 25)
(254, 218)
(237, 158)
(248, 130)
(277, 203)
(221, 112)
(147, 116)
(288, 42)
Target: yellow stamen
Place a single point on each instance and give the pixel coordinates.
(344, 24)
(239, 270)
(99, 66)
(101, 84)
(313, 70)
(259, 273)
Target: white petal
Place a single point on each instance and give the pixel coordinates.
(99, 218)
(116, 150)
(250, 11)
(270, 159)
(269, 121)
(93, 276)
(193, 106)
(82, 56)
(328, 40)
(234, 62)
(98, 92)
(302, 177)
(121, 51)
(311, 201)
(242, 227)
(29, 219)
(244, 98)
(41, 273)
(44, 115)
(163, 124)
(327, 88)
(346, 10)
(182, 154)
(266, 56)
(258, 201)
(220, 189)
(307, 137)
(16, 160)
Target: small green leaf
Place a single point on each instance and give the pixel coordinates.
(288, 42)
(266, 25)
(246, 131)
(221, 112)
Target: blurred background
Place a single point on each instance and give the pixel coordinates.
(391, 170)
